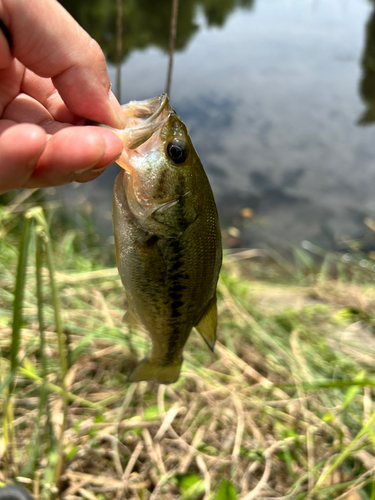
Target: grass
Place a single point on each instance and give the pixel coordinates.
(283, 409)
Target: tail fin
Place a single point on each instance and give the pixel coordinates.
(147, 369)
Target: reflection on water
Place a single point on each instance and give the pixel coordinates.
(271, 94)
(146, 22)
(367, 85)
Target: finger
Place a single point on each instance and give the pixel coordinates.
(10, 83)
(26, 109)
(43, 90)
(5, 44)
(71, 152)
(57, 47)
(17, 163)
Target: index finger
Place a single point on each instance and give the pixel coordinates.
(47, 40)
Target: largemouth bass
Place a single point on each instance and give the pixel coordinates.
(167, 236)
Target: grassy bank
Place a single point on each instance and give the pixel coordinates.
(283, 408)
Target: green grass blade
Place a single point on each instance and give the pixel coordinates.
(55, 459)
(34, 445)
(8, 428)
(226, 491)
(19, 293)
(346, 453)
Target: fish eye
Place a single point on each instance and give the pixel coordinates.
(177, 151)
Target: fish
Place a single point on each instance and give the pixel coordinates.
(167, 236)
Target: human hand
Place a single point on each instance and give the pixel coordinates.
(51, 80)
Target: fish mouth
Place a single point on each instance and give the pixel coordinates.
(143, 119)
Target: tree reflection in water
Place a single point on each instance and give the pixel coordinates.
(367, 83)
(146, 22)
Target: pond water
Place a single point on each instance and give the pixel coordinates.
(279, 99)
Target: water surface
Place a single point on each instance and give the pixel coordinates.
(279, 99)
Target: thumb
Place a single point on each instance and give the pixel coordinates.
(47, 40)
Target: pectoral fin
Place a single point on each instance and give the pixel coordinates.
(177, 215)
(208, 322)
(131, 318)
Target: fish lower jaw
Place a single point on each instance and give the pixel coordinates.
(123, 162)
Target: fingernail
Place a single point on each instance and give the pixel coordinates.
(118, 112)
(77, 173)
(98, 171)
(90, 175)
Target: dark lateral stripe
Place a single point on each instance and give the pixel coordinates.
(176, 304)
(6, 32)
(175, 296)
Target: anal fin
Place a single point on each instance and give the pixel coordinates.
(208, 322)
